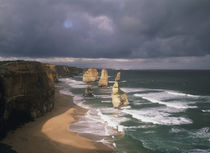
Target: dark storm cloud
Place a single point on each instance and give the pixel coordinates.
(104, 28)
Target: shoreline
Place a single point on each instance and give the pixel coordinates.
(51, 134)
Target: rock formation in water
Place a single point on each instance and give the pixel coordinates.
(26, 92)
(88, 92)
(66, 71)
(90, 75)
(103, 82)
(119, 97)
(117, 77)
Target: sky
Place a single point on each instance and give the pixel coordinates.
(121, 34)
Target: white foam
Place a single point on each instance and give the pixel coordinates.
(124, 81)
(157, 116)
(125, 107)
(178, 105)
(113, 120)
(162, 97)
(182, 94)
(114, 144)
(176, 130)
(139, 127)
(91, 123)
(132, 90)
(206, 111)
(109, 110)
(103, 96)
(73, 83)
(202, 133)
(111, 81)
(66, 92)
(106, 101)
(197, 151)
(104, 141)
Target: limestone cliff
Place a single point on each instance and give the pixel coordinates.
(103, 82)
(26, 92)
(119, 97)
(67, 71)
(90, 75)
(117, 77)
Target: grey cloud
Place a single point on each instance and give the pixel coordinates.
(105, 28)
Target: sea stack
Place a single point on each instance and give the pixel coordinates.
(119, 97)
(117, 77)
(103, 82)
(90, 75)
(89, 92)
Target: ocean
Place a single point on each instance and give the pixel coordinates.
(169, 111)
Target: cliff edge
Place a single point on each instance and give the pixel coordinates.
(26, 92)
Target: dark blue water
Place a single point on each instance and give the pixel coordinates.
(169, 111)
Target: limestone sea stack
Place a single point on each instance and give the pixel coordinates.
(88, 92)
(103, 82)
(117, 77)
(119, 97)
(90, 75)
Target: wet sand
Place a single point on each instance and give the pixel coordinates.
(50, 133)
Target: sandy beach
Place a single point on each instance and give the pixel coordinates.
(50, 133)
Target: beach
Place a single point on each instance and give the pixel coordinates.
(50, 133)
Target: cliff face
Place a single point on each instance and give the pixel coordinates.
(103, 82)
(66, 71)
(26, 92)
(90, 75)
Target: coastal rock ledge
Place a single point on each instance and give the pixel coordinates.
(103, 82)
(119, 97)
(90, 75)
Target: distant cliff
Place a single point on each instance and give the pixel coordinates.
(66, 71)
(26, 92)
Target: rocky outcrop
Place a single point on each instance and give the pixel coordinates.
(67, 71)
(26, 92)
(52, 68)
(117, 77)
(90, 75)
(119, 97)
(103, 82)
(88, 92)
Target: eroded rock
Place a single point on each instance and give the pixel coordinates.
(64, 71)
(119, 97)
(90, 75)
(117, 77)
(88, 92)
(103, 82)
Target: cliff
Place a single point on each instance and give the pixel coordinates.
(90, 75)
(103, 82)
(66, 71)
(26, 92)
